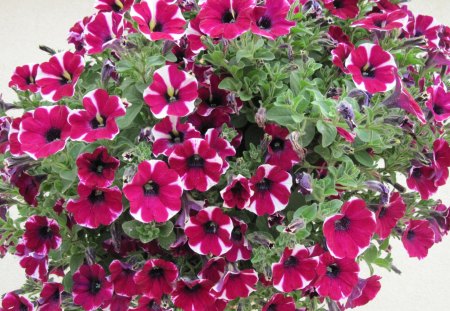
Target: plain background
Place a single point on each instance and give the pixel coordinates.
(24, 24)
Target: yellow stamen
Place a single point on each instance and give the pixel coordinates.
(67, 76)
(119, 4)
(100, 120)
(152, 24)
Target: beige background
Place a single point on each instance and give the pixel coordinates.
(24, 24)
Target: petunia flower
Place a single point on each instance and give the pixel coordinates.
(348, 233)
(50, 297)
(343, 9)
(159, 19)
(270, 20)
(423, 179)
(154, 192)
(28, 187)
(14, 302)
(34, 263)
(117, 303)
(373, 69)
(96, 206)
(5, 127)
(198, 165)
(15, 147)
(223, 148)
(236, 284)
(388, 216)
(336, 278)
(271, 190)
(122, 278)
(339, 55)
(194, 36)
(41, 234)
(103, 31)
(278, 302)
(76, 34)
(172, 92)
(383, 21)
(169, 133)
(348, 136)
(98, 120)
(417, 238)
(45, 132)
(439, 102)
(209, 232)
(225, 19)
(118, 6)
(156, 278)
(365, 291)
(237, 194)
(426, 26)
(148, 304)
(213, 270)
(91, 288)
(280, 151)
(97, 168)
(295, 270)
(57, 77)
(241, 249)
(24, 78)
(193, 295)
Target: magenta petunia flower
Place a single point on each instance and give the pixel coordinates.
(209, 232)
(270, 20)
(13, 302)
(122, 278)
(373, 70)
(365, 291)
(225, 19)
(50, 298)
(337, 35)
(117, 303)
(41, 234)
(35, 264)
(97, 168)
(241, 249)
(118, 6)
(423, 25)
(169, 133)
(237, 194)
(383, 21)
(344, 9)
(236, 284)
(57, 77)
(154, 192)
(194, 36)
(148, 304)
(213, 270)
(423, 179)
(417, 238)
(389, 215)
(98, 120)
(348, 136)
(159, 19)
(193, 295)
(348, 233)
(280, 151)
(223, 148)
(96, 206)
(24, 78)
(339, 55)
(279, 303)
(336, 278)
(103, 31)
(198, 165)
(441, 153)
(91, 288)
(5, 128)
(156, 278)
(439, 102)
(28, 187)
(216, 120)
(45, 132)
(295, 270)
(271, 190)
(76, 34)
(172, 92)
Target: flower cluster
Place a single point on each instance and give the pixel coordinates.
(225, 155)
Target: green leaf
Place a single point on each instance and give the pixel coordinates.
(328, 132)
(245, 53)
(230, 84)
(157, 60)
(165, 229)
(264, 55)
(76, 260)
(132, 111)
(364, 158)
(330, 208)
(371, 254)
(280, 115)
(366, 135)
(308, 213)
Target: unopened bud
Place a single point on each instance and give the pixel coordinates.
(261, 117)
(304, 182)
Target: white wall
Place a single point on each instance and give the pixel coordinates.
(24, 24)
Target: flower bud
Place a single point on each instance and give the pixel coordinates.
(304, 182)
(260, 117)
(295, 225)
(381, 188)
(109, 72)
(294, 138)
(346, 111)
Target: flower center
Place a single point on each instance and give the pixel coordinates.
(338, 4)
(97, 166)
(214, 101)
(95, 286)
(272, 307)
(264, 185)
(176, 137)
(417, 173)
(333, 271)
(45, 233)
(156, 272)
(277, 144)
(236, 234)
(264, 22)
(158, 27)
(171, 95)
(98, 121)
(53, 134)
(151, 188)
(210, 227)
(228, 17)
(66, 78)
(292, 261)
(192, 289)
(368, 71)
(383, 212)
(410, 235)
(438, 110)
(117, 6)
(342, 224)
(237, 189)
(96, 196)
(196, 161)
(56, 295)
(23, 307)
(30, 80)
